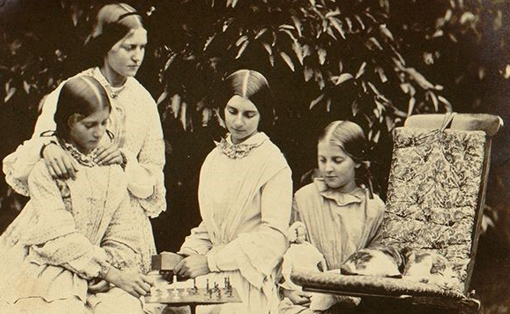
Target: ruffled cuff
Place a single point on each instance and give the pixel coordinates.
(140, 181)
(95, 263)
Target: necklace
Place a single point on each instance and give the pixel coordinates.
(112, 91)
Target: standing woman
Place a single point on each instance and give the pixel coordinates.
(116, 48)
(245, 196)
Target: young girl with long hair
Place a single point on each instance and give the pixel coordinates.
(339, 210)
(75, 234)
(115, 51)
(245, 196)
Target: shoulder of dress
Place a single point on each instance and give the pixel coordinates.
(377, 203)
(306, 191)
(139, 89)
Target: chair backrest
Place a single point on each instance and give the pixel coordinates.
(437, 184)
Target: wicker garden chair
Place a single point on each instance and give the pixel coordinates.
(435, 201)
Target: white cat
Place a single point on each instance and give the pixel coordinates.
(432, 268)
(382, 261)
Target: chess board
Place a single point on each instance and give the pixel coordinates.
(200, 296)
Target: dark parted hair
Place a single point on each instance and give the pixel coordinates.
(113, 23)
(81, 95)
(253, 86)
(351, 138)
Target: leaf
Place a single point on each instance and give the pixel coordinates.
(268, 48)
(343, 77)
(241, 40)
(241, 50)
(169, 62)
(386, 32)
(208, 42)
(175, 105)
(206, 116)
(183, 115)
(330, 32)
(382, 76)
(360, 21)
(333, 13)
(319, 78)
(287, 60)
(297, 25)
(410, 107)
(349, 24)
(271, 60)
(307, 73)
(289, 33)
(261, 32)
(370, 16)
(374, 89)
(26, 87)
(433, 97)
(316, 101)
(419, 78)
(286, 26)
(355, 107)
(361, 70)
(322, 55)
(226, 24)
(375, 42)
(298, 50)
(337, 24)
(447, 104)
(10, 93)
(162, 97)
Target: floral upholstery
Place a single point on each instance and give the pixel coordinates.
(433, 192)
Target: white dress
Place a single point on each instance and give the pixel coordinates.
(245, 197)
(68, 233)
(136, 127)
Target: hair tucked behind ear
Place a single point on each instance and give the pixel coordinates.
(351, 138)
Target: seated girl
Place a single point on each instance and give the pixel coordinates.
(341, 216)
(75, 233)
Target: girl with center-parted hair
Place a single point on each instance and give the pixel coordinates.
(245, 195)
(75, 232)
(339, 210)
(115, 51)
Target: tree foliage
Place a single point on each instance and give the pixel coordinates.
(371, 61)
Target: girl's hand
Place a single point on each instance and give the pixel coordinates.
(96, 286)
(58, 161)
(192, 266)
(298, 297)
(108, 154)
(135, 284)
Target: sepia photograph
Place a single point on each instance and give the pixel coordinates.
(254, 156)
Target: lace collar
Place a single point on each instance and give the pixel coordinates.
(238, 151)
(340, 198)
(112, 91)
(81, 158)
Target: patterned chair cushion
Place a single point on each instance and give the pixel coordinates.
(433, 192)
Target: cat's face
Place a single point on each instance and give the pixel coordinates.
(432, 268)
